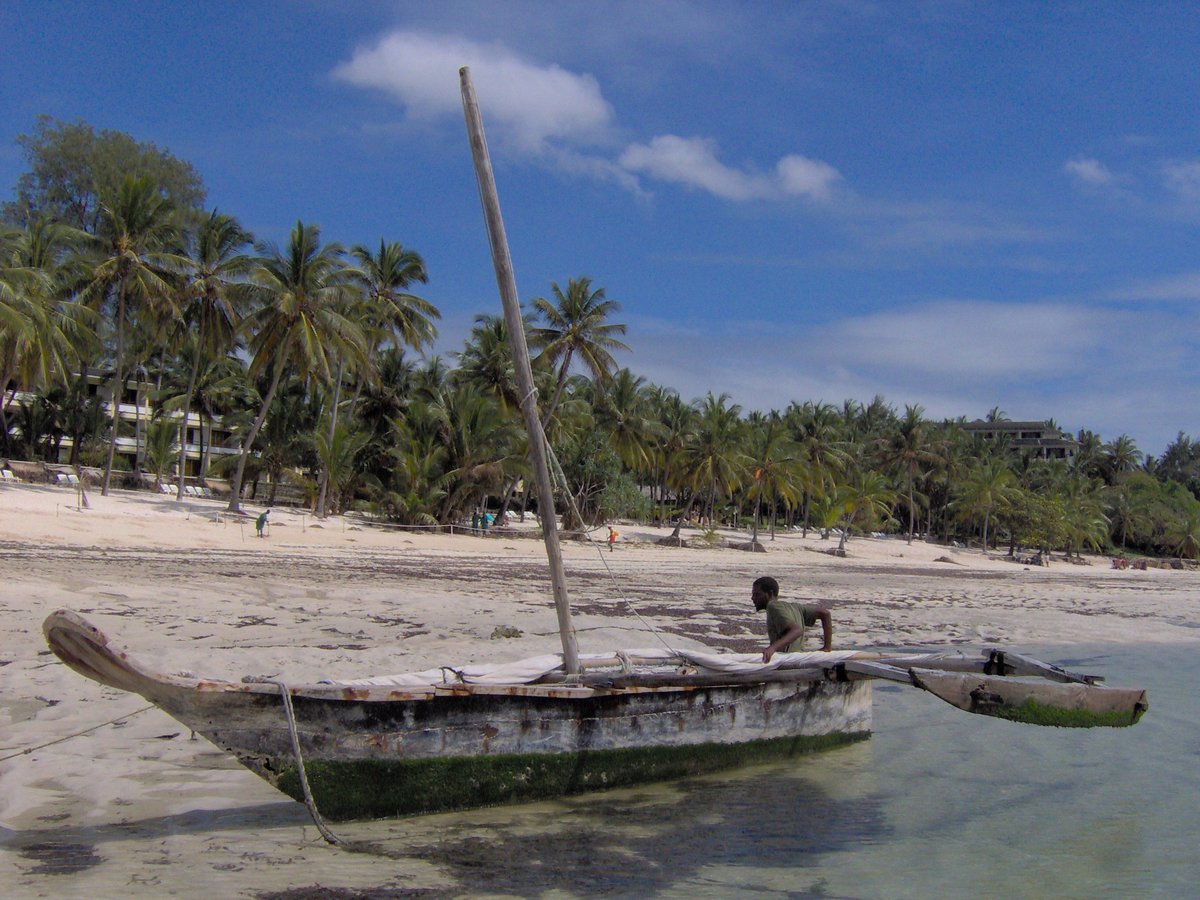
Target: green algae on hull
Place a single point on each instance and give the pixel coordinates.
(1031, 712)
(375, 789)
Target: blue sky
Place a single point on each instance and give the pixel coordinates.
(957, 205)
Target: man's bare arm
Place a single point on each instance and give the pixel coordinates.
(827, 628)
(793, 633)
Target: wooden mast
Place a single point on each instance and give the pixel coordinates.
(516, 336)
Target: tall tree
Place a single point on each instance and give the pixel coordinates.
(987, 488)
(210, 306)
(135, 240)
(713, 458)
(392, 314)
(577, 327)
(908, 449)
(1121, 455)
(296, 321)
(73, 168)
(774, 468)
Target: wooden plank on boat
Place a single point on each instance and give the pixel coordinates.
(1027, 665)
(561, 691)
(680, 681)
(877, 670)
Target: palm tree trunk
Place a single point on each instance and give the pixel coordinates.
(558, 388)
(507, 501)
(187, 410)
(323, 492)
(118, 388)
(683, 516)
(205, 430)
(236, 485)
(12, 396)
(912, 525)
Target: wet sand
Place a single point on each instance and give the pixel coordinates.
(140, 808)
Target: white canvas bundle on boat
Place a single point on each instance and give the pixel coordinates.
(525, 671)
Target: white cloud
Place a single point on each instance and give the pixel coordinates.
(532, 104)
(548, 111)
(986, 339)
(1089, 171)
(1110, 371)
(1183, 178)
(693, 162)
(1174, 287)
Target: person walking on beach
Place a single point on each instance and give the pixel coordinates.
(612, 538)
(261, 522)
(786, 621)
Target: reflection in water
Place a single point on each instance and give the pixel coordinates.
(641, 841)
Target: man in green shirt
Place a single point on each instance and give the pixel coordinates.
(786, 621)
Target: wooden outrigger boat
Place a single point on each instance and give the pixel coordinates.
(476, 735)
(451, 738)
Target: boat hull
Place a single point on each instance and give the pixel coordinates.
(382, 789)
(379, 751)
(380, 758)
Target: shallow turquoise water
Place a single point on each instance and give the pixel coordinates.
(939, 803)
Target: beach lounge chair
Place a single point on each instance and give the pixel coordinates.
(8, 476)
(61, 478)
(72, 479)
(206, 493)
(164, 488)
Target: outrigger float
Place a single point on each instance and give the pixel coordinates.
(467, 736)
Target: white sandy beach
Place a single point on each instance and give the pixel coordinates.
(151, 812)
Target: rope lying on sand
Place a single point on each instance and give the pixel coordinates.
(69, 737)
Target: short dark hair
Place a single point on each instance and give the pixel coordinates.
(768, 584)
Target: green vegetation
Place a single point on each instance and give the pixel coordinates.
(312, 354)
(380, 789)
(1033, 713)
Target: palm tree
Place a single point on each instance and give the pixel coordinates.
(815, 429)
(160, 447)
(1127, 512)
(1120, 455)
(908, 449)
(674, 420)
(576, 326)
(988, 487)
(210, 306)
(712, 458)
(339, 457)
(482, 443)
(135, 238)
(392, 313)
(295, 323)
(218, 386)
(866, 497)
(774, 468)
(620, 412)
(1184, 535)
(41, 332)
(1089, 455)
(486, 362)
(389, 315)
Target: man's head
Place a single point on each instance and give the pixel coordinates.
(763, 591)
